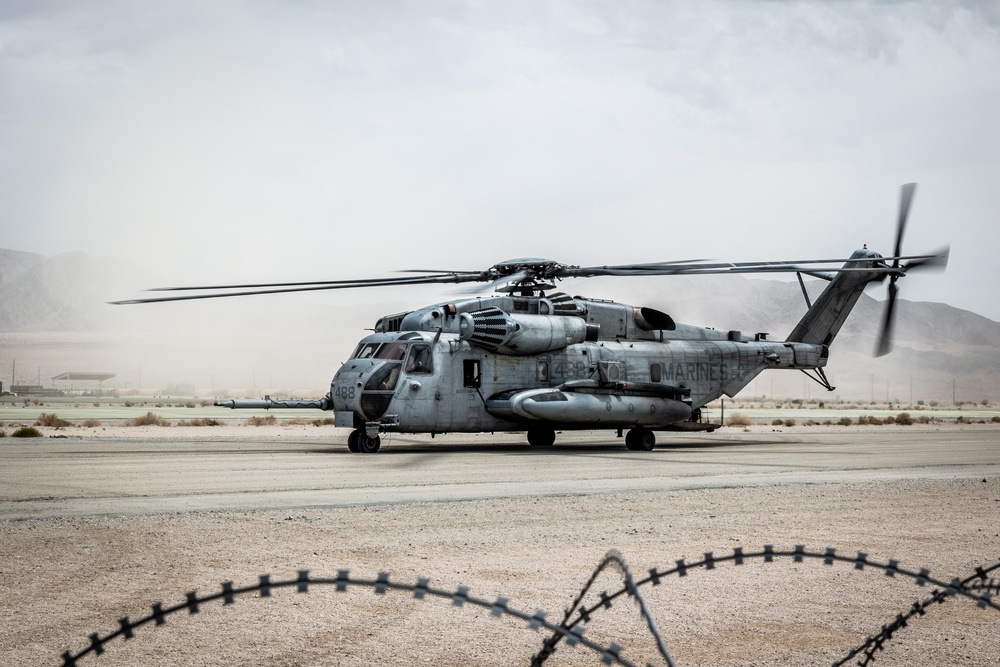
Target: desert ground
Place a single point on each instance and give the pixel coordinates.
(98, 524)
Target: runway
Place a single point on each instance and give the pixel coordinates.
(79, 477)
(97, 528)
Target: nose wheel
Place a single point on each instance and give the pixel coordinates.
(359, 441)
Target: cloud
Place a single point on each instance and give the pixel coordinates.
(296, 141)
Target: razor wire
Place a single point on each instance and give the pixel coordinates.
(975, 587)
(421, 590)
(612, 558)
(798, 555)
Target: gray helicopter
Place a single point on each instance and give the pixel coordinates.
(534, 359)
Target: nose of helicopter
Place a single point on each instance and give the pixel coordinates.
(365, 387)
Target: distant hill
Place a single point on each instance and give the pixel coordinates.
(54, 318)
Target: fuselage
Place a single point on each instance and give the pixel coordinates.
(418, 381)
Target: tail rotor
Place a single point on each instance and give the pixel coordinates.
(938, 260)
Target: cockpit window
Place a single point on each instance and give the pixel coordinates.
(421, 359)
(392, 351)
(365, 351)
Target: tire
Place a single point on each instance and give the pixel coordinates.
(368, 445)
(352, 441)
(541, 437)
(640, 439)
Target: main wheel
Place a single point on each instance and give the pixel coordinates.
(368, 445)
(541, 437)
(640, 439)
(352, 440)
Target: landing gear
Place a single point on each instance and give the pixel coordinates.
(359, 441)
(541, 436)
(640, 439)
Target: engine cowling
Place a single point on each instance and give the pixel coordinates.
(523, 334)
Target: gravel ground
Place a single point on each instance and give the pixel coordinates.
(63, 579)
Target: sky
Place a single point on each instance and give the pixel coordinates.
(297, 140)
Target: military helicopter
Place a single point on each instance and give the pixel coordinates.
(530, 358)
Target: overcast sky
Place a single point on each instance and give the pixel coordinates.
(235, 141)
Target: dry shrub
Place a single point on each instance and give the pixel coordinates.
(739, 419)
(305, 421)
(148, 419)
(26, 432)
(789, 422)
(50, 420)
(90, 423)
(200, 422)
(269, 420)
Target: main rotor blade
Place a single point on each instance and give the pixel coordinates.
(679, 268)
(383, 282)
(335, 284)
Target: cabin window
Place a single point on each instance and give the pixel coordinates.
(471, 375)
(542, 371)
(655, 373)
(421, 359)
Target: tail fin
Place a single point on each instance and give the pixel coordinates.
(823, 320)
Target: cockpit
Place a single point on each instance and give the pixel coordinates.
(420, 359)
(376, 367)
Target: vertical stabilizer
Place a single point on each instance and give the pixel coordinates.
(823, 320)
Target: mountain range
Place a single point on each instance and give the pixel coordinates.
(54, 318)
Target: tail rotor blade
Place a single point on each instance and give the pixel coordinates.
(884, 345)
(938, 260)
(905, 199)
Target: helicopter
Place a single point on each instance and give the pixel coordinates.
(531, 358)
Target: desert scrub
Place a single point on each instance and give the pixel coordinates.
(50, 420)
(739, 419)
(26, 432)
(148, 419)
(269, 420)
(91, 423)
(200, 422)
